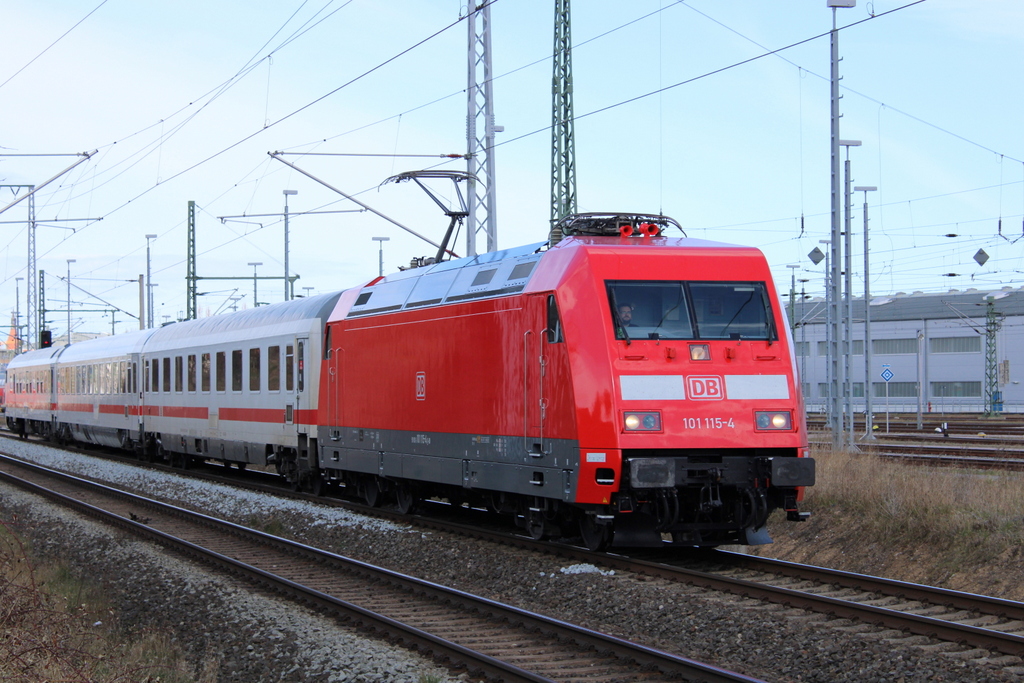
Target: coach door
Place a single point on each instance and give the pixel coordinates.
(301, 393)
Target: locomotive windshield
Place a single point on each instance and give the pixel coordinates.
(691, 310)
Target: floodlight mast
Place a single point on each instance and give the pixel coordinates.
(869, 433)
(835, 414)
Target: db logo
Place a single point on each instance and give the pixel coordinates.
(705, 388)
(421, 386)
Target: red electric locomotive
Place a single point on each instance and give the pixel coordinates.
(639, 388)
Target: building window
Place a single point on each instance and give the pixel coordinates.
(823, 389)
(858, 348)
(894, 347)
(254, 369)
(956, 389)
(803, 348)
(274, 368)
(222, 371)
(955, 344)
(858, 389)
(896, 389)
(236, 370)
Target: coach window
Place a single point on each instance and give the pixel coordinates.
(179, 370)
(289, 368)
(156, 375)
(167, 375)
(236, 370)
(222, 371)
(254, 369)
(205, 362)
(274, 368)
(192, 372)
(302, 369)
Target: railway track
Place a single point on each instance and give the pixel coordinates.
(482, 636)
(971, 625)
(971, 452)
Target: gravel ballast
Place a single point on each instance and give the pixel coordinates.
(263, 639)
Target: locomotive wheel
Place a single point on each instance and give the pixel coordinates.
(406, 499)
(370, 492)
(596, 537)
(536, 524)
(319, 485)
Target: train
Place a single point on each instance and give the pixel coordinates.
(617, 385)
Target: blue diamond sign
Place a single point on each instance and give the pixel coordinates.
(887, 374)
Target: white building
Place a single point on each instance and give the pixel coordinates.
(937, 341)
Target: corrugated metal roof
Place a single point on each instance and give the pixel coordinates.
(921, 306)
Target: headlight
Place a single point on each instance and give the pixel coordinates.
(773, 420)
(700, 352)
(642, 422)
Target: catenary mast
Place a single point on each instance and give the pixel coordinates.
(480, 130)
(563, 148)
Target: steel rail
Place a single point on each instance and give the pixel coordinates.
(642, 656)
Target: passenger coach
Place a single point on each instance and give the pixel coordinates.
(237, 388)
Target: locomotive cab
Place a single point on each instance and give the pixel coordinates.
(701, 433)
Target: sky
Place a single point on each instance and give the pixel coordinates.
(715, 113)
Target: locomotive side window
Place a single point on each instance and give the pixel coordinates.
(205, 372)
(254, 369)
(274, 368)
(690, 310)
(236, 370)
(554, 329)
(192, 372)
(222, 371)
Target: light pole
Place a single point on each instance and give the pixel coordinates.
(868, 417)
(17, 315)
(287, 285)
(835, 414)
(149, 284)
(792, 299)
(70, 261)
(803, 333)
(381, 240)
(308, 290)
(848, 296)
(255, 300)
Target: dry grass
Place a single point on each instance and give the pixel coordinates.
(54, 627)
(981, 510)
(958, 528)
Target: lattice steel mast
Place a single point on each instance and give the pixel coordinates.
(563, 148)
(480, 130)
(191, 294)
(993, 321)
